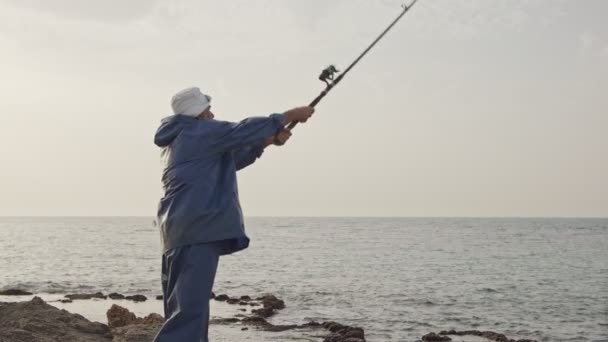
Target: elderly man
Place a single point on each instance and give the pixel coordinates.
(199, 215)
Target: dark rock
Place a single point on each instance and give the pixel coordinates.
(243, 303)
(256, 320)
(432, 337)
(83, 296)
(222, 297)
(224, 320)
(233, 301)
(271, 301)
(245, 298)
(212, 295)
(264, 312)
(159, 297)
(115, 295)
(243, 329)
(137, 298)
(244, 310)
(36, 320)
(490, 335)
(279, 328)
(65, 300)
(15, 292)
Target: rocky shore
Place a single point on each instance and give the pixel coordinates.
(38, 321)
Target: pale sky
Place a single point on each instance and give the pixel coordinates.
(466, 108)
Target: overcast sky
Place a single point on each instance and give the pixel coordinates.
(467, 108)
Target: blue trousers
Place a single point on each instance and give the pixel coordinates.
(188, 273)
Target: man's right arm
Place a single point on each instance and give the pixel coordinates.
(228, 136)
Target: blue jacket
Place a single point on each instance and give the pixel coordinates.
(200, 159)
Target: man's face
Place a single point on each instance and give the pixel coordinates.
(207, 114)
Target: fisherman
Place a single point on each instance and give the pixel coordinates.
(199, 215)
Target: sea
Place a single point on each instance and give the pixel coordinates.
(398, 278)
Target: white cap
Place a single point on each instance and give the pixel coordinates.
(190, 101)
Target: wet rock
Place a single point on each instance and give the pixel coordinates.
(263, 312)
(115, 295)
(243, 329)
(137, 298)
(271, 301)
(84, 296)
(222, 298)
(256, 320)
(35, 320)
(159, 297)
(233, 301)
(243, 303)
(490, 335)
(245, 298)
(340, 332)
(65, 300)
(432, 337)
(224, 320)
(15, 292)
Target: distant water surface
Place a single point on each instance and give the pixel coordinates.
(398, 278)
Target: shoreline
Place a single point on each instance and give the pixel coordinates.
(231, 319)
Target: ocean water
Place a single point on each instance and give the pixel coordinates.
(398, 278)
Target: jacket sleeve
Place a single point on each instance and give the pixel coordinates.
(247, 155)
(231, 136)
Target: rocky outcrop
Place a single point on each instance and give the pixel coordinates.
(137, 298)
(490, 335)
(432, 337)
(126, 327)
(15, 292)
(84, 296)
(37, 321)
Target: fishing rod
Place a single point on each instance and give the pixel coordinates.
(327, 75)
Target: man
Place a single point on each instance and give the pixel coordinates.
(199, 215)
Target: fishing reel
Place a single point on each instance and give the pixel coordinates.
(328, 74)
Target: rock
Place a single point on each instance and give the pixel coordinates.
(245, 298)
(222, 297)
(212, 295)
(120, 317)
(136, 333)
(256, 320)
(65, 300)
(432, 337)
(137, 298)
(115, 295)
(490, 335)
(263, 312)
(271, 301)
(233, 301)
(243, 303)
(159, 297)
(37, 321)
(126, 327)
(224, 320)
(82, 296)
(15, 292)
(153, 318)
(243, 329)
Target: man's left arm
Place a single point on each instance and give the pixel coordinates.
(247, 155)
